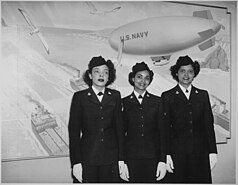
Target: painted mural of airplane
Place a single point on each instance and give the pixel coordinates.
(160, 37)
(94, 10)
(157, 37)
(34, 29)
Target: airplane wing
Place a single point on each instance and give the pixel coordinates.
(42, 39)
(35, 29)
(28, 20)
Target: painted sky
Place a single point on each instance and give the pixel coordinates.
(77, 14)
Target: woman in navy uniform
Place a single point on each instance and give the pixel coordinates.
(188, 115)
(145, 140)
(96, 127)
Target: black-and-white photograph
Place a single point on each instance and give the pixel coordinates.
(118, 91)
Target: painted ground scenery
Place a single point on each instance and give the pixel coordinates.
(46, 47)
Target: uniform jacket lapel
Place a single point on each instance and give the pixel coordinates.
(133, 99)
(146, 98)
(194, 96)
(92, 96)
(179, 94)
(107, 96)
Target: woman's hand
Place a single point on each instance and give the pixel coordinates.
(123, 169)
(213, 160)
(78, 172)
(161, 171)
(169, 164)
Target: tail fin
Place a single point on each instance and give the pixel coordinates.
(207, 44)
(206, 14)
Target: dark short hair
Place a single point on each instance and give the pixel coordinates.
(139, 67)
(99, 61)
(184, 61)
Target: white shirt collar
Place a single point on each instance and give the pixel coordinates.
(137, 95)
(187, 94)
(184, 89)
(97, 91)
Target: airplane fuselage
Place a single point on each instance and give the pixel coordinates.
(163, 35)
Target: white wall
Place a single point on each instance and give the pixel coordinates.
(48, 170)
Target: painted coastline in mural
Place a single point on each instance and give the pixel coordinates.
(46, 47)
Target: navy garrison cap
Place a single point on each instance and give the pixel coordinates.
(184, 60)
(97, 61)
(142, 66)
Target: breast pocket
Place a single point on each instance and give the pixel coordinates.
(198, 108)
(152, 109)
(109, 108)
(177, 109)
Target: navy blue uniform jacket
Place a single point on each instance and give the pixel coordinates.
(145, 135)
(95, 129)
(189, 122)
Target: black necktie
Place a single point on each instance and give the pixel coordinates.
(140, 97)
(186, 91)
(100, 94)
